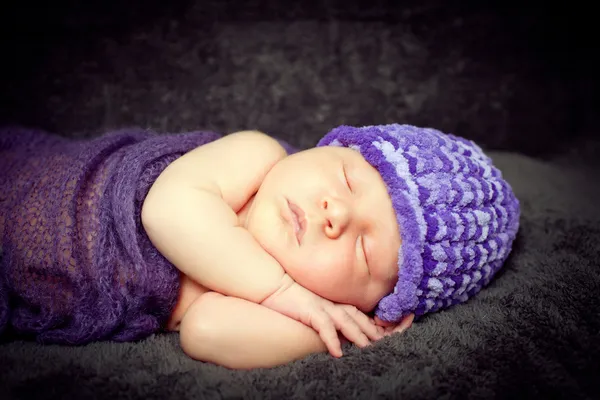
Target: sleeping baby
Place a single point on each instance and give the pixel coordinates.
(256, 254)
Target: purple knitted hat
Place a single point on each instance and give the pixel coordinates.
(457, 216)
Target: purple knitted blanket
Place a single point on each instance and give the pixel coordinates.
(77, 266)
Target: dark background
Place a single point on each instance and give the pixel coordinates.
(511, 75)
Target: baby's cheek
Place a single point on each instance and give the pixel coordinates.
(311, 273)
(337, 281)
(298, 266)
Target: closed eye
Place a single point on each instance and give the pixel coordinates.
(361, 243)
(346, 178)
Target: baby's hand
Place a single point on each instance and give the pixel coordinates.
(324, 316)
(390, 327)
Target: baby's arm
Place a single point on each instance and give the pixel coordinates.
(190, 215)
(239, 334)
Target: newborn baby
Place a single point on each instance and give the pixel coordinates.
(256, 257)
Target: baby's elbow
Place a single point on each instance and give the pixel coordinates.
(202, 342)
(201, 336)
(197, 340)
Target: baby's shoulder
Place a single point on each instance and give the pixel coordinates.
(252, 142)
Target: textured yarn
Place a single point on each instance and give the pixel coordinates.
(77, 265)
(457, 216)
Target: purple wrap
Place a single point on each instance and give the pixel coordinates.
(77, 265)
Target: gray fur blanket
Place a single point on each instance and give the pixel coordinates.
(534, 332)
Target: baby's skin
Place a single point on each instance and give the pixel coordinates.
(280, 256)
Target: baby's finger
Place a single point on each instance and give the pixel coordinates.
(326, 329)
(389, 330)
(404, 324)
(350, 328)
(365, 323)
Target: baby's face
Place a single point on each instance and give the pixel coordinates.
(325, 215)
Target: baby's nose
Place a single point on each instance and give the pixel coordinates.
(337, 216)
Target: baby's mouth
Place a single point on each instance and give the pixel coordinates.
(298, 221)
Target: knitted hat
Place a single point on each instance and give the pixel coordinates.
(457, 216)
